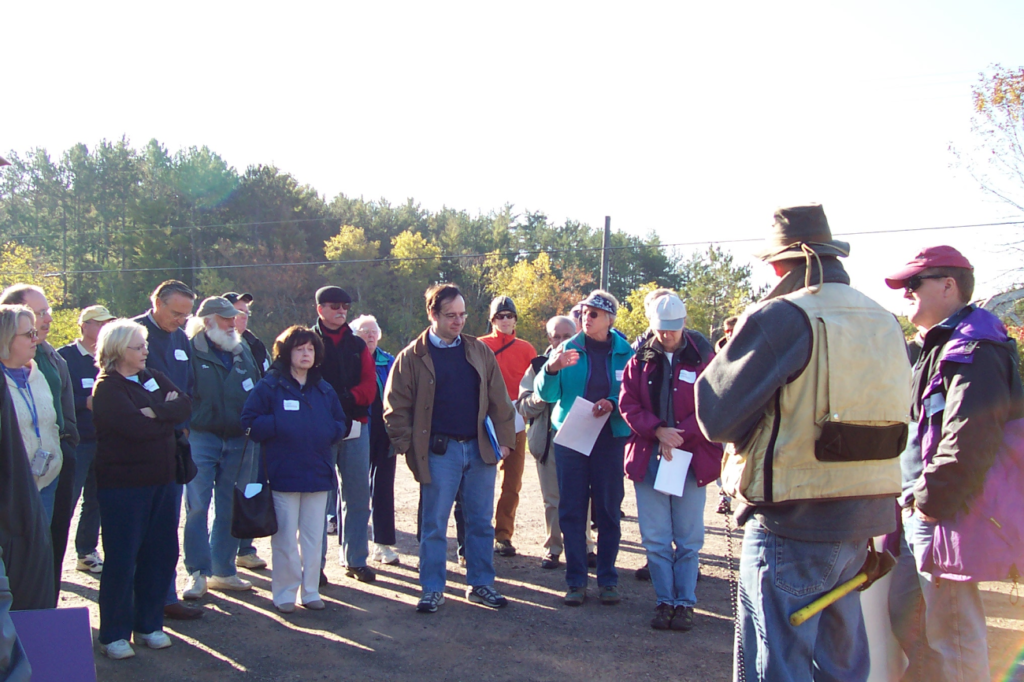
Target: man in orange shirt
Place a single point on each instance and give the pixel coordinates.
(514, 356)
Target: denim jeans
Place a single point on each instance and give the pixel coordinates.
(245, 547)
(939, 623)
(781, 575)
(49, 495)
(460, 467)
(353, 458)
(210, 548)
(88, 535)
(580, 479)
(667, 519)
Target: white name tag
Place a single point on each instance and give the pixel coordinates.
(179, 354)
(266, 364)
(687, 376)
(151, 385)
(247, 384)
(291, 406)
(88, 383)
(934, 404)
(618, 374)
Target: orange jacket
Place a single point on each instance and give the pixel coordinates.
(513, 361)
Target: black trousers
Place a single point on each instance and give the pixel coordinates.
(63, 510)
(382, 498)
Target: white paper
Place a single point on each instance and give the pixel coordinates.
(252, 490)
(179, 354)
(151, 385)
(357, 428)
(247, 384)
(581, 428)
(520, 423)
(88, 383)
(687, 376)
(671, 477)
(291, 405)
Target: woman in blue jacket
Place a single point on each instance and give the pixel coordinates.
(297, 417)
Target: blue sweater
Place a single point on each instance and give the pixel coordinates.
(297, 427)
(83, 370)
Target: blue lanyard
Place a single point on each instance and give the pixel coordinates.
(30, 401)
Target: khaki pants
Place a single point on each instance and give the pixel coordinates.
(547, 473)
(511, 469)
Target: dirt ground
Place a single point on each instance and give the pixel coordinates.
(372, 632)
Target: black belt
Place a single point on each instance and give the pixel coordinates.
(460, 439)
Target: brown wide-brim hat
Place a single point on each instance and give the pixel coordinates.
(798, 225)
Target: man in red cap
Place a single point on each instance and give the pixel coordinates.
(965, 388)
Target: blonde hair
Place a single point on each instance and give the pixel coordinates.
(113, 341)
(10, 319)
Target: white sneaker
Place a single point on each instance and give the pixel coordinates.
(117, 650)
(154, 640)
(196, 586)
(90, 563)
(250, 561)
(385, 555)
(228, 583)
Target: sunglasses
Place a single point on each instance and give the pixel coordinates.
(505, 316)
(914, 283)
(31, 333)
(339, 306)
(593, 314)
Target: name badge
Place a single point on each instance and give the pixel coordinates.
(618, 374)
(687, 376)
(247, 384)
(291, 405)
(179, 354)
(151, 385)
(266, 364)
(934, 404)
(88, 383)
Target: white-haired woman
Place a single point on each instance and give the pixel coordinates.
(382, 455)
(135, 410)
(32, 398)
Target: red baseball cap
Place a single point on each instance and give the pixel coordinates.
(932, 257)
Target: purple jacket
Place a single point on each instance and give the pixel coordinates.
(640, 406)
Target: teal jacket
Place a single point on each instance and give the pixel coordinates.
(563, 388)
(219, 393)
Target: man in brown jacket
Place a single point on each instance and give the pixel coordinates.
(447, 410)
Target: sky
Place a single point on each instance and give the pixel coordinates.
(694, 121)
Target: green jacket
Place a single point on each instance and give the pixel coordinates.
(219, 393)
(563, 388)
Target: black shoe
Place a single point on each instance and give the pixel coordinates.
(323, 579)
(363, 574)
(662, 617)
(178, 611)
(643, 573)
(429, 602)
(550, 561)
(591, 559)
(682, 618)
(504, 548)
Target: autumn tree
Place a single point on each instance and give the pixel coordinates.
(535, 291)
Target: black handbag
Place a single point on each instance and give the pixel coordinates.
(253, 517)
(184, 468)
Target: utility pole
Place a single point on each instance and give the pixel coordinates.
(605, 245)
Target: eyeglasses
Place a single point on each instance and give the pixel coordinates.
(31, 333)
(454, 316)
(139, 349)
(505, 316)
(339, 306)
(914, 283)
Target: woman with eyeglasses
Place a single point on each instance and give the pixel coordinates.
(33, 401)
(135, 410)
(590, 366)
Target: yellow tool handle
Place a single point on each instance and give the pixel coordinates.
(821, 603)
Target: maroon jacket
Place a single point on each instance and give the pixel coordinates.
(639, 403)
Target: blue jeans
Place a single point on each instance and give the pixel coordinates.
(781, 575)
(581, 478)
(245, 547)
(939, 623)
(212, 551)
(353, 457)
(140, 547)
(667, 519)
(49, 495)
(459, 468)
(88, 535)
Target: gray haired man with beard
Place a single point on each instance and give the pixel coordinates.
(225, 374)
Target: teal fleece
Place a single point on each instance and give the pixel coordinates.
(563, 388)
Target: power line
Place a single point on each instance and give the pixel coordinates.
(386, 261)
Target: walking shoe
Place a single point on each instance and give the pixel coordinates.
(117, 650)
(178, 611)
(91, 563)
(591, 559)
(323, 579)
(332, 526)
(682, 618)
(609, 595)
(575, 596)
(504, 548)
(286, 608)
(157, 639)
(486, 595)
(429, 602)
(550, 561)
(363, 574)
(315, 605)
(250, 561)
(662, 617)
(383, 554)
(196, 586)
(643, 573)
(228, 583)
(724, 505)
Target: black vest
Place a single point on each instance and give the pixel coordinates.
(342, 368)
